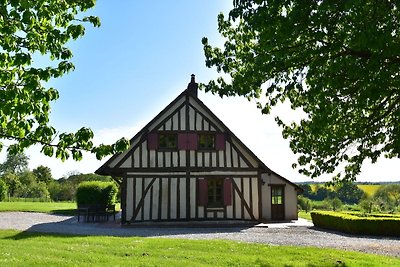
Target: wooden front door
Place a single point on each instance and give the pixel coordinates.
(277, 203)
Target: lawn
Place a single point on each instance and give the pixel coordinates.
(304, 215)
(64, 250)
(65, 208)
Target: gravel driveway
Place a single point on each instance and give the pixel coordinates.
(274, 234)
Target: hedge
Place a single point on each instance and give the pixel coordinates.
(96, 192)
(382, 226)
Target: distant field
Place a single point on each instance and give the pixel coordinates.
(370, 189)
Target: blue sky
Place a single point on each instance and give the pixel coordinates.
(137, 62)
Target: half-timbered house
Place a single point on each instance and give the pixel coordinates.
(185, 164)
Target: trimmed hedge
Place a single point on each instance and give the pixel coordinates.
(382, 226)
(96, 192)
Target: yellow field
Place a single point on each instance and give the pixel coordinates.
(370, 189)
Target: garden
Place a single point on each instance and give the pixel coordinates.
(352, 208)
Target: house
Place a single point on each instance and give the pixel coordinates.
(185, 164)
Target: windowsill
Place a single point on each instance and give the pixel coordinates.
(206, 150)
(167, 149)
(215, 209)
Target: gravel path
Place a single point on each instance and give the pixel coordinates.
(277, 234)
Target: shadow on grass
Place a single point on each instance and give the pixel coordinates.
(70, 227)
(69, 212)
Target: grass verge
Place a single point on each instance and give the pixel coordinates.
(305, 215)
(64, 208)
(65, 250)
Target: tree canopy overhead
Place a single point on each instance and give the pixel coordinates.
(31, 28)
(338, 61)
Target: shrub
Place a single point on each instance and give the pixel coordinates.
(336, 204)
(350, 223)
(304, 203)
(95, 192)
(321, 205)
(3, 190)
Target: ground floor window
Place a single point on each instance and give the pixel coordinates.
(215, 193)
(277, 195)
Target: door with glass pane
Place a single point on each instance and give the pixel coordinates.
(277, 203)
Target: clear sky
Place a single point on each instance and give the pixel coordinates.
(137, 62)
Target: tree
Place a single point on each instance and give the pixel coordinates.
(39, 190)
(335, 203)
(304, 203)
(367, 204)
(337, 61)
(43, 174)
(307, 190)
(12, 182)
(14, 163)
(3, 190)
(43, 27)
(27, 181)
(323, 193)
(388, 196)
(349, 193)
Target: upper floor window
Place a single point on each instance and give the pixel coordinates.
(167, 141)
(206, 141)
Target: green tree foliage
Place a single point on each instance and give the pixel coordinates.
(14, 163)
(3, 190)
(12, 181)
(335, 203)
(323, 193)
(64, 191)
(349, 193)
(307, 190)
(338, 61)
(31, 28)
(304, 203)
(80, 177)
(388, 197)
(43, 174)
(367, 204)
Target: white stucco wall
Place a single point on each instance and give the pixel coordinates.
(290, 200)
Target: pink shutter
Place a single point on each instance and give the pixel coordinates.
(182, 142)
(202, 197)
(220, 141)
(152, 141)
(227, 192)
(192, 141)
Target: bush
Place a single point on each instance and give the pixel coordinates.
(3, 190)
(95, 192)
(321, 205)
(350, 223)
(336, 204)
(304, 203)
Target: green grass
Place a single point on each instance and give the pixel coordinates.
(63, 250)
(65, 208)
(304, 215)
